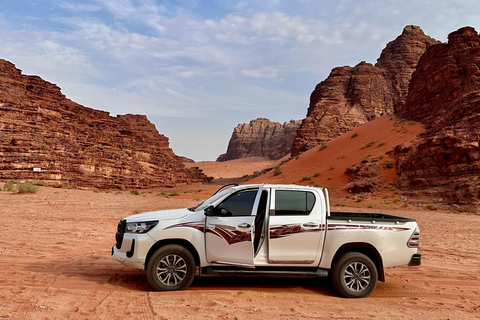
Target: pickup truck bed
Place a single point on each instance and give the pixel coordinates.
(380, 217)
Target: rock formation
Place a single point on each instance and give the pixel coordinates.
(261, 138)
(51, 140)
(350, 96)
(365, 177)
(444, 95)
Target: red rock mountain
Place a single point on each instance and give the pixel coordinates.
(444, 95)
(350, 96)
(75, 146)
(261, 138)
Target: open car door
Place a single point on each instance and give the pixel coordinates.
(230, 228)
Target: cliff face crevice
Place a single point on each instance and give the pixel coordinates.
(261, 138)
(350, 97)
(75, 146)
(444, 94)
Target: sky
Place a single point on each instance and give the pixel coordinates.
(197, 68)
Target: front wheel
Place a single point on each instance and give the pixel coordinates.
(354, 275)
(172, 267)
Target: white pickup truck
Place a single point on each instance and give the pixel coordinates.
(271, 230)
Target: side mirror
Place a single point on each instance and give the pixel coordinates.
(209, 211)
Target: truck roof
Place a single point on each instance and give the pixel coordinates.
(268, 185)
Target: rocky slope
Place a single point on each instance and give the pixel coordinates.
(445, 96)
(261, 138)
(74, 146)
(350, 96)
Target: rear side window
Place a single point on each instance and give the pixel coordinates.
(288, 203)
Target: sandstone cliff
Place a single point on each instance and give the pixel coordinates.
(75, 146)
(261, 138)
(444, 94)
(350, 96)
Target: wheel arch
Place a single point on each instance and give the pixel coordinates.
(368, 250)
(181, 242)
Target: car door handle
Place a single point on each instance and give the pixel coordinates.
(310, 225)
(244, 225)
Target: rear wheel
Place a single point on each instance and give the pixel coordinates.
(172, 267)
(354, 275)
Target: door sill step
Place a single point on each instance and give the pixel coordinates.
(213, 271)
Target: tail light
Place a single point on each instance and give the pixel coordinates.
(414, 240)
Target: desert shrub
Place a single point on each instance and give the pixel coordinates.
(305, 178)
(135, 192)
(9, 186)
(322, 146)
(463, 209)
(399, 120)
(431, 206)
(354, 135)
(174, 194)
(332, 167)
(277, 171)
(316, 174)
(381, 143)
(27, 188)
(368, 145)
(389, 164)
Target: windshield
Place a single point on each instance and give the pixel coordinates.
(213, 199)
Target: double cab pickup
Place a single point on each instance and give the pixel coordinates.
(269, 230)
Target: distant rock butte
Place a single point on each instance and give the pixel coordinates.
(75, 146)
(261, 138)
(351, 96)
(445, 96)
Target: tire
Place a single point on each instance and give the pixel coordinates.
(172, 267)
(354, 275)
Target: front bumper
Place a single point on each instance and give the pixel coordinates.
(132, 250)
(416, 260)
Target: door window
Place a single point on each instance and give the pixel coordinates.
(239, 204)
(289, 202)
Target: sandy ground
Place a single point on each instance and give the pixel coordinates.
(55, 263)
(234, 168)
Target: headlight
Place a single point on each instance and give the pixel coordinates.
(140, 227)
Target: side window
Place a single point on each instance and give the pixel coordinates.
(239, 204)
(293, 202)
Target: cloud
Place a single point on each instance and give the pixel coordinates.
(264, 72)
(80, 7)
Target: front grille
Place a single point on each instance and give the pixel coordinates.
(120, 232)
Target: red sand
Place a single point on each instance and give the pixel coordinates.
(56, 264)
(330, 163)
